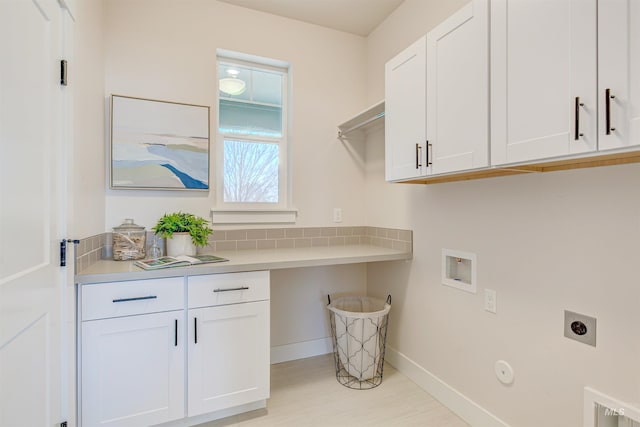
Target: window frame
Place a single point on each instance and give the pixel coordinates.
(255, 212)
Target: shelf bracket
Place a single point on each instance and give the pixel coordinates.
(342, 133)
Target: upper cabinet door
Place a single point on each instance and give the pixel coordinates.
(619, 73)
(458, 91)
(543, 79)
(405, 113)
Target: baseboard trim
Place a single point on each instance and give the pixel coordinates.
(217, 415)
(460, 404)
(301, 350)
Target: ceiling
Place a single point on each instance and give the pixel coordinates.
(353, 16)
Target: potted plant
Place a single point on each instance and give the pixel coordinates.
(183, 231)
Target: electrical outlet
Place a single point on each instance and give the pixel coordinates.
(337, 214)
(580, 327)
(490, 301)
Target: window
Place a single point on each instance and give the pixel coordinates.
(252, 150)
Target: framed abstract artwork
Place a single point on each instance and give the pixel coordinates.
(158, 145)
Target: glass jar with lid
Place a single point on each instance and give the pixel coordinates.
(129, 241)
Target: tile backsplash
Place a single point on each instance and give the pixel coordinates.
(91, 249)
(272, 238)
(94, 248)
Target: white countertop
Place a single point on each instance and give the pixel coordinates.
(245, 260)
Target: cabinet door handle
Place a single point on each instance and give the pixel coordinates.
(577, 120)
(607, 107)
(418, 149)
(429, 154)
(195, 330)
(241, 288)
(175, 336)
(135, 298)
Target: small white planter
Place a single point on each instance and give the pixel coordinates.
(180, 244)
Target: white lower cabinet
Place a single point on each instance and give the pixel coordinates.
(228, 356)
(229, 345)
(133, 368)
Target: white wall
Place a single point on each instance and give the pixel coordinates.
(86, 203)
(565, 240)
(86, 81)
(167, 50)
(545, 243)
(304, 317)
(410, 21)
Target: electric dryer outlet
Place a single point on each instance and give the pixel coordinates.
(580, 327)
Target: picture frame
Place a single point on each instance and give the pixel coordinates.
(159, 145)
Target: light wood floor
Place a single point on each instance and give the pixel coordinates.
(305, 393)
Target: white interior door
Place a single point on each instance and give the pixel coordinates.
(31, 208)
(543, 57)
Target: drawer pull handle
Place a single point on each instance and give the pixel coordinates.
(175, 337)
(242, 288)
(135, 299)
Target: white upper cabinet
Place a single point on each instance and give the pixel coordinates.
(543, 79)
(619, 73)
(539, 83)
(437, 100)
(406, 113)
(458, 91)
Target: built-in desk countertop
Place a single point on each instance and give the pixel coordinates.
(245, 260)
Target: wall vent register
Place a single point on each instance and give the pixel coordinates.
(601, 410)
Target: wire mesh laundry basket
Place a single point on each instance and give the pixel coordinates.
(359, 334)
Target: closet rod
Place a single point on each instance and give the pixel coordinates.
(342, 133)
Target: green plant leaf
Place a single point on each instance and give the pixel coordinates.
(180, 222)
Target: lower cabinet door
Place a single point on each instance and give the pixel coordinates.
(229, 356)
(133, 370)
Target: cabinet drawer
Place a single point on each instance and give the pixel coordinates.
(232, 288)
(104, 300)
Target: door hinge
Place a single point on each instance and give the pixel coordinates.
(63, 72)
(63, 250)
(63, 253)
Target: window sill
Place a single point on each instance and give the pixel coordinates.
(258, 216)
